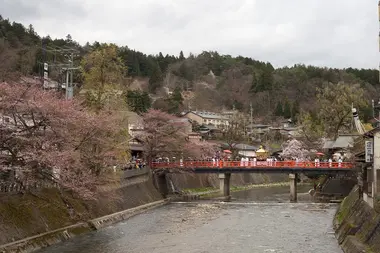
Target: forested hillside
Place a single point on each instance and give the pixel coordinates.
(208, 81)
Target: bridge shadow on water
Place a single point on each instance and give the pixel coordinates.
(272, 194)
(279, 194)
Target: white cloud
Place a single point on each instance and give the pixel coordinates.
(338, 33)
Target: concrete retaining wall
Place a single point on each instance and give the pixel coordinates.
(123, 215)
(34, 243)
(31, 214)
(357, 225)
(37, 242)
(135, 172)
(191, 180)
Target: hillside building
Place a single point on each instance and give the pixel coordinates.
(208, 118)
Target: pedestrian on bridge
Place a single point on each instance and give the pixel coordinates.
(340, 161)
(242, 160)
(316, 161)
(254, 161)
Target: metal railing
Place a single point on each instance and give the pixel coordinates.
(253, 164)
(14, 186)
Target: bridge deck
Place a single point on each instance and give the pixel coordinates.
(256, 167)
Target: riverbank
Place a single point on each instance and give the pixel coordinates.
(269, 192)
(49, 210)
(357, 225)
(45, 217)
(244, 225)
(44, 240)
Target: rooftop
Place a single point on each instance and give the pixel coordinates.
(245, 147)
(180, 120)
(372, 132)
(343, 141)
(133, 118)
(241, 146)
(258, 126)
(328, 144)
(209, 115)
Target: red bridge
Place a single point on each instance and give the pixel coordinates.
(258, 166)
(226, 168)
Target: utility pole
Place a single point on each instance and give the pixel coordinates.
(353, 119)
(373, 108)
(69, 77)
(62, 60)
(251, 119)
(378, 7)
(378, 119)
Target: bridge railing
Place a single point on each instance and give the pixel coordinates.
(252, 164)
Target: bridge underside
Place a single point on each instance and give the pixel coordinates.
(225, 170)
(289, 170)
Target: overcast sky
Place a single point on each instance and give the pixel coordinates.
(335, 33)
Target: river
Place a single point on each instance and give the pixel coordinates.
(257, 220)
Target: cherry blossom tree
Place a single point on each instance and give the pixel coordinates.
(46, 138)
(160, 137)
(199, 149)
(293, 149)
(163, 136)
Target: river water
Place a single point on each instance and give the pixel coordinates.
(258, 220)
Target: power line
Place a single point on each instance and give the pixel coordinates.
(62, 59)
(251, 119)
(378, 6)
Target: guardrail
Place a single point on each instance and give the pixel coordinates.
(8, 187)
(17, 186)
(254, 164)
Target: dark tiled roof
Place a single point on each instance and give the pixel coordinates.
(209, 115)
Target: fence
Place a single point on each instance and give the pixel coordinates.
(17, 186)
(8, 187)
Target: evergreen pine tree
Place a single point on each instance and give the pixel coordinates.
(181, 57)
(138, 102)
(295, 110)
(161, 60)
(175, 101)
(287, 110)
(146, 101)
(136, 67)
(279, 111)
(177, 96)
(69, 38)
(155, 78)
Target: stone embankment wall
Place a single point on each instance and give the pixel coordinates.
(357, 225)
(31, 244)
(25, 215)
(43, 217)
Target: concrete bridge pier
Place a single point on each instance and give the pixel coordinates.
(161, 184)
(224, 185)
(293, 187)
